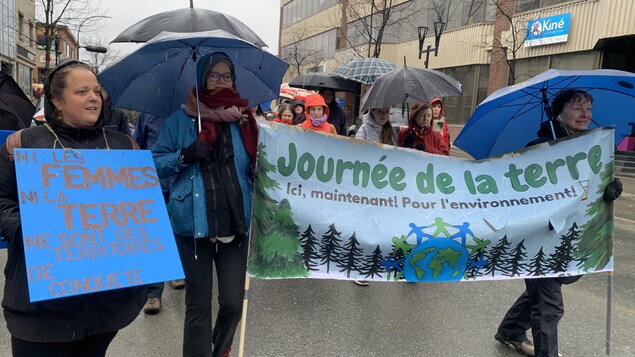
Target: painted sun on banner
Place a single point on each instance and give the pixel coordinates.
(337, 208)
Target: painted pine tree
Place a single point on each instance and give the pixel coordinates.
(372, 265)
(564, 254)
(497, 258)
(477, 257)
(310, 247)
(352, 256)
(539, 264)
(263, 205)
(280, 251)
(595, 246)
(516, 259)
(331, 247)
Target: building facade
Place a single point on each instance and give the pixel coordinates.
(485, 44)
(18, 41)
(63, 47)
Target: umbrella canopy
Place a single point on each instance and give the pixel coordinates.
(409, 85)
(318, 80)
(293, 93)
(156, 78)
(188, 20)
(510, 117)
(16, 110)
(364, 70)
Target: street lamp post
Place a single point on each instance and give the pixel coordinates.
(439, 26)
(99, 49)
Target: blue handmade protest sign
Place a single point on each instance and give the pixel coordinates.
(3, 137)
(92, 220)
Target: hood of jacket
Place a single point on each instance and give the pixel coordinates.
(295, 103)
(415, 128)
(49, 107)
(208, 61)
(368, 119)
(315, 100)
(438, 100)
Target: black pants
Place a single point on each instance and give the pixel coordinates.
(197, 256)
(155, 290)
(93, 346)
(540, 307)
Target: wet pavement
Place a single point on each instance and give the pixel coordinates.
(307, 318)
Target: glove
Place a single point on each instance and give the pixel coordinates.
(421, 147)
(198, 150)
(613, 190)
(409, 140)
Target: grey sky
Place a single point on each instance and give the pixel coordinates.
(262, 16)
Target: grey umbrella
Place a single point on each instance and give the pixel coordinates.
(188, 20)
(319, 80)
(410, 85)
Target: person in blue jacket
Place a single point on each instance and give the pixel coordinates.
(210, 200)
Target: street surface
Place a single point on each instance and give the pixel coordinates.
(307, 318)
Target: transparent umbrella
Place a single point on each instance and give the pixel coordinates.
(410, 85)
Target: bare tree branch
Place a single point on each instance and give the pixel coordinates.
(299, 53)
(97, 60)
(71, 13)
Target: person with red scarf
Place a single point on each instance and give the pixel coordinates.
(420, 135)
(210, 200)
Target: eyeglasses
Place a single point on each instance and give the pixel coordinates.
(215, 77)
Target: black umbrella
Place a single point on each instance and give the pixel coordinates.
(16, 110)
(188, 20)
(319, 80)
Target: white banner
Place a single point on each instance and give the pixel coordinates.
(339, 208)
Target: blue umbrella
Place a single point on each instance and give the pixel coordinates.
(510, 117)
(156, 78)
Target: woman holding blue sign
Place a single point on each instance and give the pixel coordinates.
(81, 325)
(210, 200)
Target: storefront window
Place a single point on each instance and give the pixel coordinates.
(529, 67)
(458, 109)
(24, 78)
(575, 61)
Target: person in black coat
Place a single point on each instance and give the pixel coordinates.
(337, 117)
(82, 325)
(541, 306)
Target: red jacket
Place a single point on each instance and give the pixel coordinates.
(432, 141)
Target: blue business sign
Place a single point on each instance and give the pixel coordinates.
(92, 220)
(547, 30)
